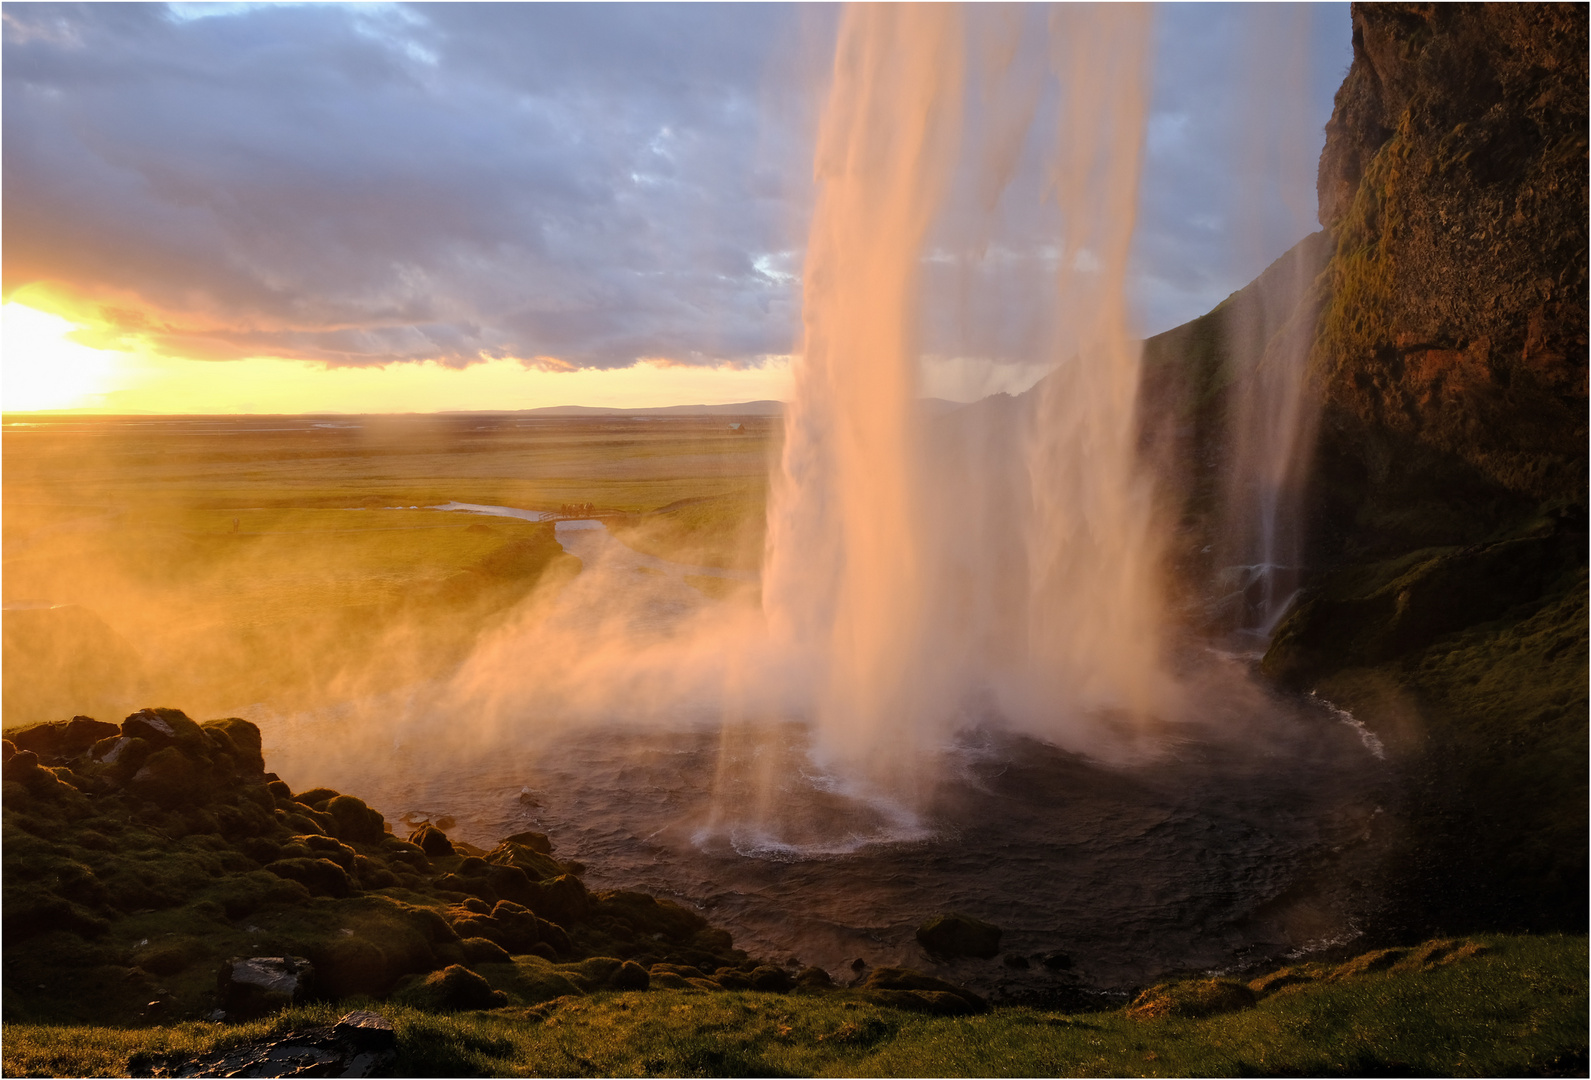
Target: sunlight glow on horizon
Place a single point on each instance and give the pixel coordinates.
(45, 370)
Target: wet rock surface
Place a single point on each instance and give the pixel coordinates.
(360, 1044)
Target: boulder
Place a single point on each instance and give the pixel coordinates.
(537, 842)
(814, 977)
(122, 750)
(562, 900)
(170, 777)
(320, 876)
(64, 739)
(20, 765)
(684, 971)
(629, 976)
(258, 985)
(770, 979)
(314, 797)
(553, 938)
(452, 989)
(244, 740)
(165, 727)
(404, 852)
(477, 887)
(432, 841)
(512, 883)
(536, 865)
(356, 822)
(479, 950)
(904, 988)
(326, 847)
(954, 935)
(360, 1044)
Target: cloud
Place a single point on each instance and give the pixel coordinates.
(360, 186)
(577, 185)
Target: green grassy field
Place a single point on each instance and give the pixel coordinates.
(219, 562)
(1506, 1006)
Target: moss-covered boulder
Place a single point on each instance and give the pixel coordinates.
(954, 935)
(65, 738)
(355, 821)
(144, 856)
(432, 841)
(903, 988)
(453, 989)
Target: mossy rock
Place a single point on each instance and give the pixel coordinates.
(166, 727)
(60, 740)
(479, 950)
(453, 989)
(904, 988)
(320, 876)
(531, 980)
(814, 978)
(771, 979)
(955, 935)
(432, 841)
(356, 822)
(537, 865)
(314, 797)
(244, 740)
(536, 841)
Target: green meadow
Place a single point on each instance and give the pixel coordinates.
(217, 562)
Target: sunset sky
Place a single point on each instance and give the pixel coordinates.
(386, 207)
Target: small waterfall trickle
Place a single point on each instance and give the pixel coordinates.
(1270, 328)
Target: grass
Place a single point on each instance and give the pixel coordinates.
(223, 561)
(725, 531)
(1515, 1007)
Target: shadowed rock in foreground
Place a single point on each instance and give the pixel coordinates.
(141, 859)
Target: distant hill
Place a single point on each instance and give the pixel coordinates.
(743, 408)
(935, 407)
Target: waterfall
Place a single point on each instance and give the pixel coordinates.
(906, 628)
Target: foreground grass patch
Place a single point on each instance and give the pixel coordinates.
(1517, 1008)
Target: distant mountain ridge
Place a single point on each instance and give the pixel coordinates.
(935, 407)
(741, 408)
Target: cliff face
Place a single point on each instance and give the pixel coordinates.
(1446, 601)
(1451, 355)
